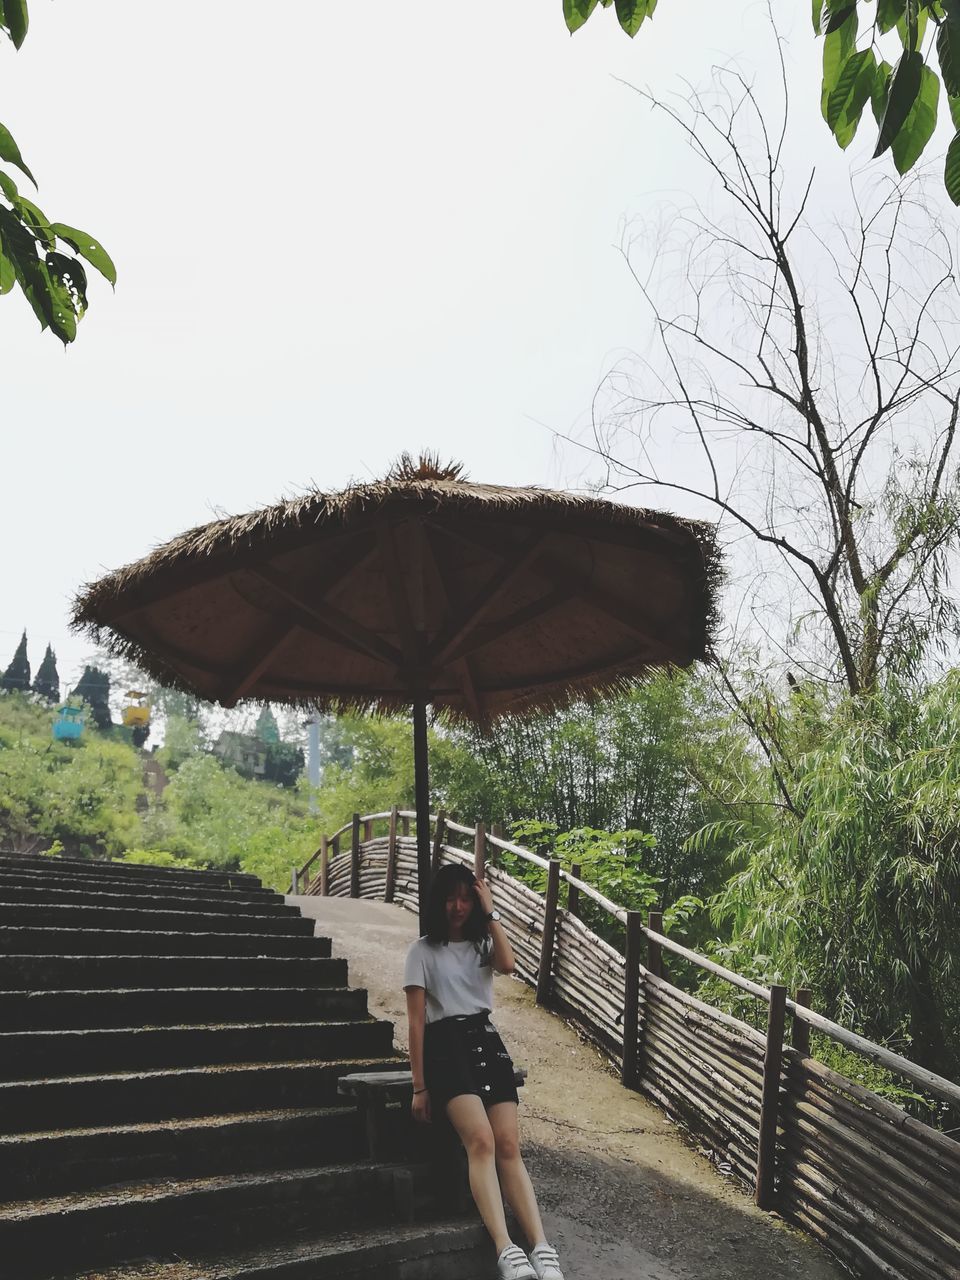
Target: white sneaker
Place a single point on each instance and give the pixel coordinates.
(546, 1262)
(513, 1265)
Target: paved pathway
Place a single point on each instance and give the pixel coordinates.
(624, 1197)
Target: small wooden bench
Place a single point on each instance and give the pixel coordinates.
(373, 1090)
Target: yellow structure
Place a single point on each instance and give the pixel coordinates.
(136, 713)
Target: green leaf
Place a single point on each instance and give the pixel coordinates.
(916, 131)
(69, 273)
(576, 12)
(838, 11)
(881, 86)
(88, 248)
(902, 93)
(903, 29)
(951, 170)
(817, 16)
(954, 104)
(9, 187)
(837, 48)
(10, 152)
(8, 274)
(889, 13)
(631, 14)
(15, 20)
(948, 51)
(36, 220)
(846, 102)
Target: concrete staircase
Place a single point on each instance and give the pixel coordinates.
(170, 1045)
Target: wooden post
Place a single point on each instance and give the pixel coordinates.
(654, 949)
(498, 831)
(801, 1030)
(405, 826)
(573, 893)
(480, 851)
(355, 857)
(391, 856)
(367, 830)
(629, 1075)
(324, 867)
(421, 780)
(294, 886)
(438, 838)
(549, 931)
(765, 1190)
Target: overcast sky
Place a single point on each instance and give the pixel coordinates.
(341, 231)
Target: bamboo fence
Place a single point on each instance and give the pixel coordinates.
(878, 1187)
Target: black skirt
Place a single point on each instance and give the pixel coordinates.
(466, 1055)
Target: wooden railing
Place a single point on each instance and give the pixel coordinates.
(878, 1187)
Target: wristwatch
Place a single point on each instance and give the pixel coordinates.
(493, 915)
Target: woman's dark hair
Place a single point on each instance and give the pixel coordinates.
(444, 884)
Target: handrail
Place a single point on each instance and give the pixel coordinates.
(935, 1084)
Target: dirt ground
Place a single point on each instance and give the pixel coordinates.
(624, 1196)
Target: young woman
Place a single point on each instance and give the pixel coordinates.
(460, 1066)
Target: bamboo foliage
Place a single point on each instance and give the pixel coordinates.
(876, 1186)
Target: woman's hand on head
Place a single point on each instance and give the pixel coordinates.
(484, 896)
(420, 1108)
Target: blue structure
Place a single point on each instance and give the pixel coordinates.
(68, 725)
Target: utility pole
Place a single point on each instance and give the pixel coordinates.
(313, 761)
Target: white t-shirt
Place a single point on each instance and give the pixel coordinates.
(457, 976)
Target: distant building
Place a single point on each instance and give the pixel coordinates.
(243, 752)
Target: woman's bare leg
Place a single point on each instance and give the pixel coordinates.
(469, 1118)
(514, 1178)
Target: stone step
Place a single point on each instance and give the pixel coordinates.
(435, 1250)
(139, 885)
(171, 1006)
(164, 1218)
(79, 867)
(116, 893)
(54, 973)
(16, 940)
(54, 1162)
(131, 1097)
(31, 1055)
(60, 916)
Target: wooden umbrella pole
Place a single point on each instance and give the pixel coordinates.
(421, 766)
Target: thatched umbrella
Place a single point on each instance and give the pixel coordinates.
(420, 589)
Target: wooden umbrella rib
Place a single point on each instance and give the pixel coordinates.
(513, 565)
(409, 640)
(256, 661)
(601, 599)
(556, 571)
(171, 655)
(471, 694)
(480, 637)
(327, 617)
(185, 574)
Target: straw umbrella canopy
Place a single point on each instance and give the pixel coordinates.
(420, 589)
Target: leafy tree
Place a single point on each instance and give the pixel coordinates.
(812, 373)
(856, 895)
(267, 729)
(284, 763)
(84, 796)
(655, 760)
(214, 815)
(45, 259)
(16, 678)
(183, 739)
(94, 689)
(858, 35)
(46, 683)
